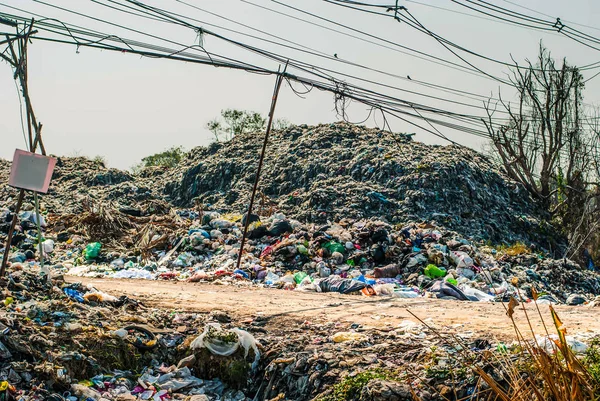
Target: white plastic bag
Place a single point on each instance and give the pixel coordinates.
(480, 295)
(48, 246)
(384, 289)
(212, 338)
(406, 293)
(461, 259)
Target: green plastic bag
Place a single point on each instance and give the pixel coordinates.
(302, 250)
(333, 246)
(451, 280)
(298, 277)
(92, 250)
(432, 271)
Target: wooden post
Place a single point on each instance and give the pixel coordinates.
(260, 162)
(18, 61)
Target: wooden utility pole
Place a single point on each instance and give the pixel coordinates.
(17, 58)
(278, 82)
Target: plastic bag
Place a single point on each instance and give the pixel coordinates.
(432, 271)
(310, 287)
(415, 260)
(133, 273)
(74, 294)
(48, 246)
(344, 336)
(271, 278)
(92, 250)
(461, 259)
(445, 289)
(178, 379)
(298, 277)
(341, 285)
(389, 271)
(333, 246)
(365, 280)
(226, 342)
(548, 344)
(384, 289)
(480, 295)
(405, 293)
(99, 296)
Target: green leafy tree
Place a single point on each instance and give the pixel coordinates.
(235, 122)
(168, 158)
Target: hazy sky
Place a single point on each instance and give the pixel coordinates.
(125, 107)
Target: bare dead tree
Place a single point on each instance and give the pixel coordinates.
(545, 144)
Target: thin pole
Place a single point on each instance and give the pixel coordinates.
(11, 230)
(39, 228)
(260, 163)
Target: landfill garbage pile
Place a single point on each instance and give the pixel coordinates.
(338, 171)
(365, 257)
(78, 178)
(104, 223)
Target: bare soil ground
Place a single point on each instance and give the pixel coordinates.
(290, 308)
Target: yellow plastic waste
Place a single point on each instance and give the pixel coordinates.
(344, 336)
(232, 217)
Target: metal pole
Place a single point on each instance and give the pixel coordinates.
(260, 163)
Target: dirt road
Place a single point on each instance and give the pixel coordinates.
(291, 307)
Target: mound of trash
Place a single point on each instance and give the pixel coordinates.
(340, 171)
(342, 209)
(314, 174)
(365, 257)
(76, 179)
